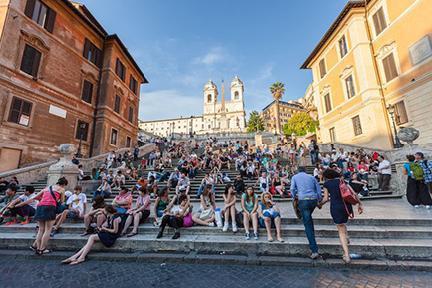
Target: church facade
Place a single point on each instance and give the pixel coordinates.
(224, 116)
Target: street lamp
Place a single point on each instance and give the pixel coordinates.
(391, 111)
(81, 128)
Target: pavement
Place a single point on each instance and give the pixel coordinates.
(40, 272)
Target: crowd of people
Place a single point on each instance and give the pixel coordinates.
(261, 175)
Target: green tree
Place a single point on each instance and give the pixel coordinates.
(255, 123)
(300, 124)
(278, 90)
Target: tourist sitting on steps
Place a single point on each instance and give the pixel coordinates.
(229, 210)
(24, 206)
(95, 217)
(123, 201)
(6, 203)
(160, 205)
(104, 189)
(249, 204)
(107, 235)
(339, 209)
(205, 216)
(359, 186)
(138, 214)
(269, 213)
(178, 209)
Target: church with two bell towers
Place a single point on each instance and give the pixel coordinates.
(219, 116)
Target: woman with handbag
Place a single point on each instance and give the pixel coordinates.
(175, 218)
(50, 200)
(340, 209)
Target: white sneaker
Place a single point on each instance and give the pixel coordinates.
(211, 224)
(416, 206)
(428, 207)
(225, 227)
(234, 228)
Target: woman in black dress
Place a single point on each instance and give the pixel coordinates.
(339, 210)
(108, 235)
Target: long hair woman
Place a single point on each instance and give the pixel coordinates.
(339, 210)
(49, 202)
(108, 235)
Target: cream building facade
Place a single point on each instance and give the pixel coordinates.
(286, 111)
(224, 116)
(375, 56)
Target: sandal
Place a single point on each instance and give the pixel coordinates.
(68, 261)
(76, 262)
(131, 234)
(33, 248)
(45, 251)
(346, 260)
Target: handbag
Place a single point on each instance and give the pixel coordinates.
(58, 203)
(206, 214)
(187, 220)
(348, 196)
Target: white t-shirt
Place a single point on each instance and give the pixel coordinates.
(24, 198)
(77, 201)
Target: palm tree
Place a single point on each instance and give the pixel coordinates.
(255, 123)
(278, 90)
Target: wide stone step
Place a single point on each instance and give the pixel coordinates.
(288, 230)
(235, 245)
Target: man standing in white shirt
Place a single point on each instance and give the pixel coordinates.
(384, 174)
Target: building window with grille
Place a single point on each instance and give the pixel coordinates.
(379, 20)
(30, 61)
(120, 69)
(41, 14)
(117, 104)
(349, 87)
(114, 136)
(332, 135)
(327, 103)
(82, 130)
(92, 53)
(128, 142)
(322, 68)
(357, 126)
(343, 47)
(401, 116)
(87, 92)
(20, 111)
(390, 69)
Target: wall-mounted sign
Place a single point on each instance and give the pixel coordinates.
(421, 50)
(57, 111)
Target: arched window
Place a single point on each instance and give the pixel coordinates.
(209, 98)
(236, 95)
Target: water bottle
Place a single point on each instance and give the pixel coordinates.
(355, 256)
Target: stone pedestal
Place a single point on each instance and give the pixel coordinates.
(258, 139)
(64, 167)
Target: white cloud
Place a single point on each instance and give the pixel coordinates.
(215, 55)
(165, 104)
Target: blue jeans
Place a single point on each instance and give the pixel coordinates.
(104, 194)
(307, 207)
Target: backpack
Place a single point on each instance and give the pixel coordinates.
(416, 171)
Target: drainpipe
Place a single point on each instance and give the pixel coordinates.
(93, 138)
(378, 76)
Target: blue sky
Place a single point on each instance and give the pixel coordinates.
(181, 44)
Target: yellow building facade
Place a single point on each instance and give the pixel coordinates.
(373, 68)
(286, 111)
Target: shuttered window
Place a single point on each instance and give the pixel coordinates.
(343, 48)
(327, 103)
(357, 126)
(131, 114)
(379, 21)
(20, 111)
(128, 142)
(133, 85)
(82, 130)
(332, 135)
(117, 104)
(30, 61)
(114, 136)
(322, 68)
(92, 53)
(87, 91)
(349, 86)
(401, 115)
(120, 69)
(390, 69)
(41, 14)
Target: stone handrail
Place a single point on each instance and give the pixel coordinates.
(39, 171)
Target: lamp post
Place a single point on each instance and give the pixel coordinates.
(391, 111)
(81, 127)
